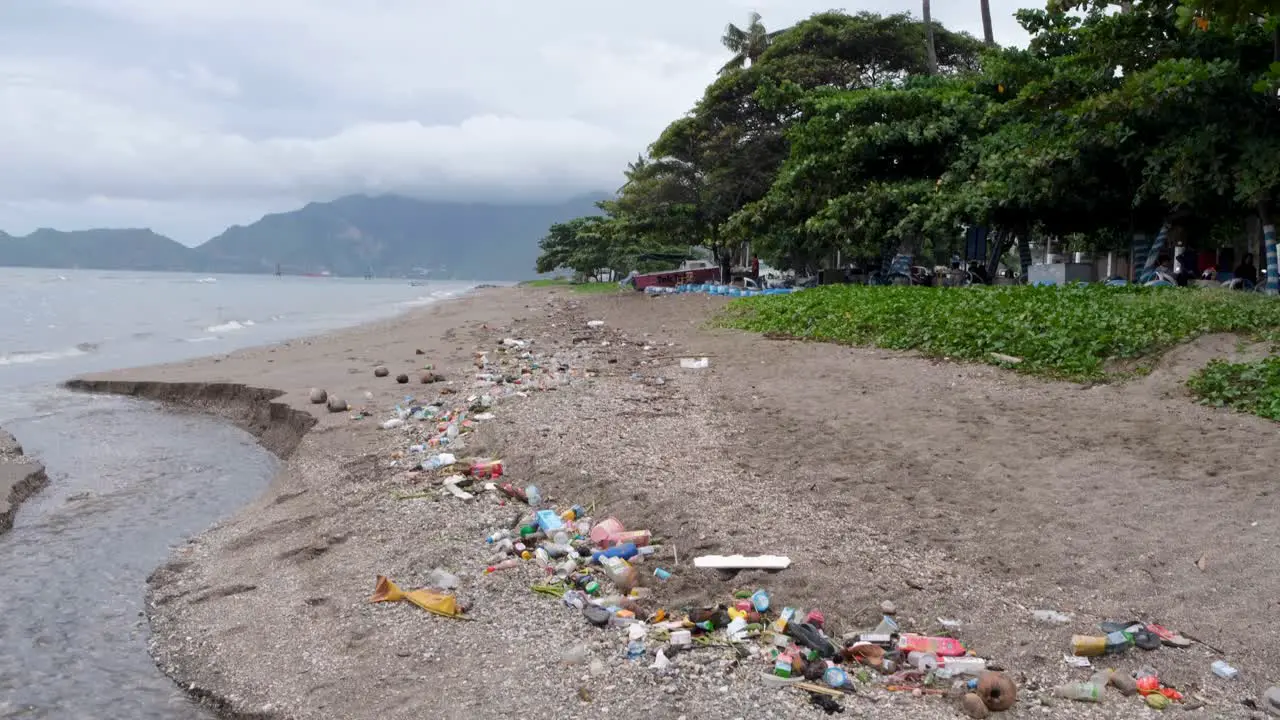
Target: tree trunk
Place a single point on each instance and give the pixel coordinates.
(931, 49)
(1269, 243)
(988, 35)
(1148, 271)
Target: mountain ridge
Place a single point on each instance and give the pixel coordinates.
(388, 235)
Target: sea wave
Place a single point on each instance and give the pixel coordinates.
(23, 357)
(229, 326)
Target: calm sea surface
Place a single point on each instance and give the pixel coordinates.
(129, 480)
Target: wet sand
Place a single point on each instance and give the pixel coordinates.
(20, 478)
(956, 491)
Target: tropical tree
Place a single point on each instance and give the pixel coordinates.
(988, 33)
(931, 49)
(746, 45)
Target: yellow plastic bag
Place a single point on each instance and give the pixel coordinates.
(433, 601)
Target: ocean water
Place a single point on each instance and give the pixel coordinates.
(128, 479)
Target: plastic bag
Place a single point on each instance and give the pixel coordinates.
(433, 601)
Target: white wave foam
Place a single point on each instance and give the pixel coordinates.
(207, 280)
(202, 338)
(229, 326)
(22, 358)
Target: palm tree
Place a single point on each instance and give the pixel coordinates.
(988, 35)
(746, 45)
(930, 48)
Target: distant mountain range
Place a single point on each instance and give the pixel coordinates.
(390, 235)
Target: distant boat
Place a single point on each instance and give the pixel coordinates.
(278, 273)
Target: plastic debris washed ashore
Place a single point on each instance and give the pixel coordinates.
(436, 432)
(1119, 638)
(599, 569)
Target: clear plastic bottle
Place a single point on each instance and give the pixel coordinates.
(1082, 691)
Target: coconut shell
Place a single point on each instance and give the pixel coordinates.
(402, 378)
(997, 691)
(973, 706)
(381, 372)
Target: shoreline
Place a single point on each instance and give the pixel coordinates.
(20, 478)
(264, 616)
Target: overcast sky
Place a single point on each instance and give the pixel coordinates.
(186, 116)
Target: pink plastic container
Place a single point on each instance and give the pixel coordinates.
(605, 533)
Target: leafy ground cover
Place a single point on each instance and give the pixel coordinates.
(1252, 387)
(589, 287)
(1079, 332)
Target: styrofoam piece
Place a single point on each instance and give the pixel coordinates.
(743, 562)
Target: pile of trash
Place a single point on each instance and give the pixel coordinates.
(1119, 638)
(600, 569)
(436, 432)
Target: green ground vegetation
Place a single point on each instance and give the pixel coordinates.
(1079, 332)
(594, 288)
(1252, 387)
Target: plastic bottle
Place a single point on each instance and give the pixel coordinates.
(760, 600)
(498, 536)
(504, 565)
(1118, 642)
(625, 551)
(621, 573)
(967, 665)
(1082, 691)
(533, 495)
(1088, 645)
(439, 460)
(393, 423)
(924, 662)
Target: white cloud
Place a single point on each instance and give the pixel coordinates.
(188, 115)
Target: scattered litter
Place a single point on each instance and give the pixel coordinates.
(1006, 358)
(1077, 661)
(442, 579)
(433, 601)
(948, 623)
(1223, 670)
(742, 562)
(695, 363)
(451, 484)
(1051, 616)
(595, 323)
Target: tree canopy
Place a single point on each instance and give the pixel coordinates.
(834, 135)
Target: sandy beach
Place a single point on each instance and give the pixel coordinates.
(957, 492)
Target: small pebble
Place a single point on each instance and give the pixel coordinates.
(381, 371)
(318, 396)
(888, 608)
(1271, 700)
